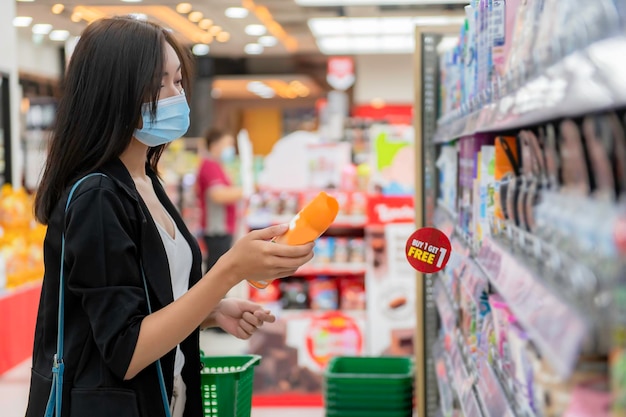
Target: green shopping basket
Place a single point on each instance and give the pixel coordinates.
(227, 385)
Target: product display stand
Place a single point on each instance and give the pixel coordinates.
(526, 177)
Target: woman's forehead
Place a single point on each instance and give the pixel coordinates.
(172, 61)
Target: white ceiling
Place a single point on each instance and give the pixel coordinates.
(292, 18)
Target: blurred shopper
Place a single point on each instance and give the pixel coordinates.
(134, 297)
(217, 196)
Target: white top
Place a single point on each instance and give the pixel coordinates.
(179, 258)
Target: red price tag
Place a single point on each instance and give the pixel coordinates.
(428, 250)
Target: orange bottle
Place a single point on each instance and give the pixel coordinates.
(309, 224)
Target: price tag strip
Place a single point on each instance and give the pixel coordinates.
(557, 329)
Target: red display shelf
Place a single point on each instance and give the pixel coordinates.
(331, 270)
(288, 400)
(18, 310)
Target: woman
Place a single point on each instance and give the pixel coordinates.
(123, 101)
(217, 196)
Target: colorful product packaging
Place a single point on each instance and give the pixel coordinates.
(323, 294)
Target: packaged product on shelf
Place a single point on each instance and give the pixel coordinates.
(357, 250)
(522, 368)
(323, 294)
(506, 170)
(486, 200)
(358, 204)
(324, 250)
(351, 293)
(468, 154)
(341, 250)
(294, 294)
(447, 165)
(502, 316)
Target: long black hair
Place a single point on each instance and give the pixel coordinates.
(117, 66)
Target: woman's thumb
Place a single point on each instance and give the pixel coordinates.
(270, 232)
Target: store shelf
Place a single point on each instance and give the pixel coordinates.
(333, 269)
(448, 311)
(464, 379)
(341, 222)
(584, 82)
(491, 394)
(18, 309)
(555, 327)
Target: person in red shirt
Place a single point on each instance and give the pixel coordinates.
(217, 196)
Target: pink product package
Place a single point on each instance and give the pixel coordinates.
(502, 56)
(502, 316)
(469, 146)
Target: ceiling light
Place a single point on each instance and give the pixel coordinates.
(255, 30)
(338, 3)
(253, 49)
(261, 89)
(132, 1)
(183, 8)
(216, 93)
(76, 17)
(223, 37)
(58, 8)
(42, 28)
(236, 12)
(338, 45)
(205, 24)
(195, 17)
(268, 41)
(214, 30)
(200, 49)
(377, 26)
(206, 38)
(59, 35)
(22, 21)
(26, 1)
(139, 16)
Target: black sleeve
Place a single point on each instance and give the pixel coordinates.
(102, 269)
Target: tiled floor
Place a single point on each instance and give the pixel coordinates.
(14, 384)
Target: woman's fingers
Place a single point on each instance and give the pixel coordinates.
(288, 251)
(265, 316)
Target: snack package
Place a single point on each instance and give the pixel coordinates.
(324, 250)
(323, 294)
(352, 293)
(506, 168)
(341, 250)
(357, 250)
(294, 294)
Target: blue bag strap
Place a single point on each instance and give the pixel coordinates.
(166, 403)
(53, 408)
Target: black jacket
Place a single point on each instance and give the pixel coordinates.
(108, 230)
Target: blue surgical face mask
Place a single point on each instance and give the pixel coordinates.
(228, 154)
(171, 121)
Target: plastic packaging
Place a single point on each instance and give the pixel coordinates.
(309, 224)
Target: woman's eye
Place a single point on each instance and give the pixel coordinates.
(179, 82)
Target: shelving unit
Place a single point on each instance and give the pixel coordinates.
(558, 297)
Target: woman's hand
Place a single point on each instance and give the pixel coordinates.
(254, 257)
(241, 318)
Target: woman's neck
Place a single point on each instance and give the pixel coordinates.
(134, 158)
